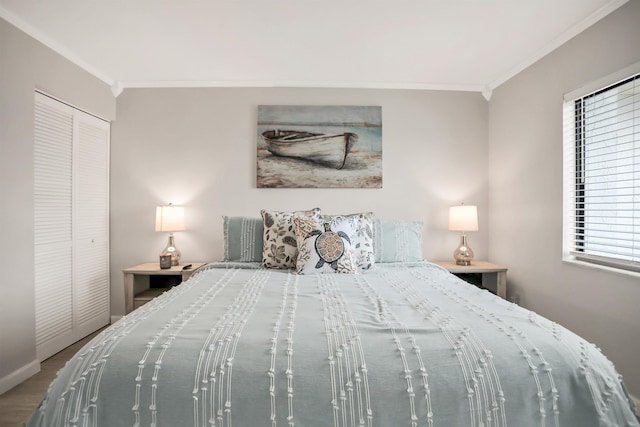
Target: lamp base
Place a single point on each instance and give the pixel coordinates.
(463, 253)
(172, 251)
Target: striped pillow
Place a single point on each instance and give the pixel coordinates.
(243, 239)
(397, 241)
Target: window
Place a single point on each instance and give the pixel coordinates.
(602, 175)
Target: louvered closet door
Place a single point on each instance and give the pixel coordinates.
(91, 258)
(53, 231)
(71, 163)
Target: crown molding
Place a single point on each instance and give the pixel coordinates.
(296, 84)
(53, 45)
(116, 89)
(558, 41)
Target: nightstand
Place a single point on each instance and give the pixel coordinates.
(492, 276)
(138, 281)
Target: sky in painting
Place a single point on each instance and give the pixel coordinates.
(301, 115)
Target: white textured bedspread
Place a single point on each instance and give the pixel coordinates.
(404, 345)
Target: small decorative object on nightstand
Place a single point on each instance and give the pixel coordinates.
(137, 281)
(493, 276)
(463, 218)
(165, 261)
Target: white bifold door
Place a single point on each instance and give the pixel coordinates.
(71, 224)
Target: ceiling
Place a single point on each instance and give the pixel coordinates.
(469, 45)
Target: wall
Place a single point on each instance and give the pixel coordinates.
(197, 147)
(24, 66)
(525, 163)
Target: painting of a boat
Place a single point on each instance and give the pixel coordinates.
(325, 149)
(319, 146)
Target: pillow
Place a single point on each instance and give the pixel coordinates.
(243, 239)
(397, 241)
(279, 239)
(363, 244)
(325, 244)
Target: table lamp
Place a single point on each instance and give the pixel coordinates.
(170, 218)
(463, 218)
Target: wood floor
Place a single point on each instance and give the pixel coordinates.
(17, 404)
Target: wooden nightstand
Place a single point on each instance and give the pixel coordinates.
(137, 281)
(493, 276)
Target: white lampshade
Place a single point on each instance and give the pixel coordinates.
(463, 218)
(170, 218)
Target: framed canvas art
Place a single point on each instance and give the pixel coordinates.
(319, 146)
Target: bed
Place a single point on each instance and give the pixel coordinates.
(401, 343)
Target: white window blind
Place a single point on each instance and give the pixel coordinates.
(602, 175)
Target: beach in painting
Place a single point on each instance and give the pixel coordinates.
(363, 166)
(361, 170)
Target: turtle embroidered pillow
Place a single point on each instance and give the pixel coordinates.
(279, 240)
(326, 244)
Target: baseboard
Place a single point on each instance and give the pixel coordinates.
(115, 318)
(18, 376)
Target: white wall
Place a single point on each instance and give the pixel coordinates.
(525, 146)
(197, 147)
(24, 66)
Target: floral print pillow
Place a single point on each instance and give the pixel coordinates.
(326, 244)
(279, 240)
(363, 245)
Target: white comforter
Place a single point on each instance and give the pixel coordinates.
(403, 345)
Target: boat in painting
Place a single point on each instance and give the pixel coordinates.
(326, 149)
